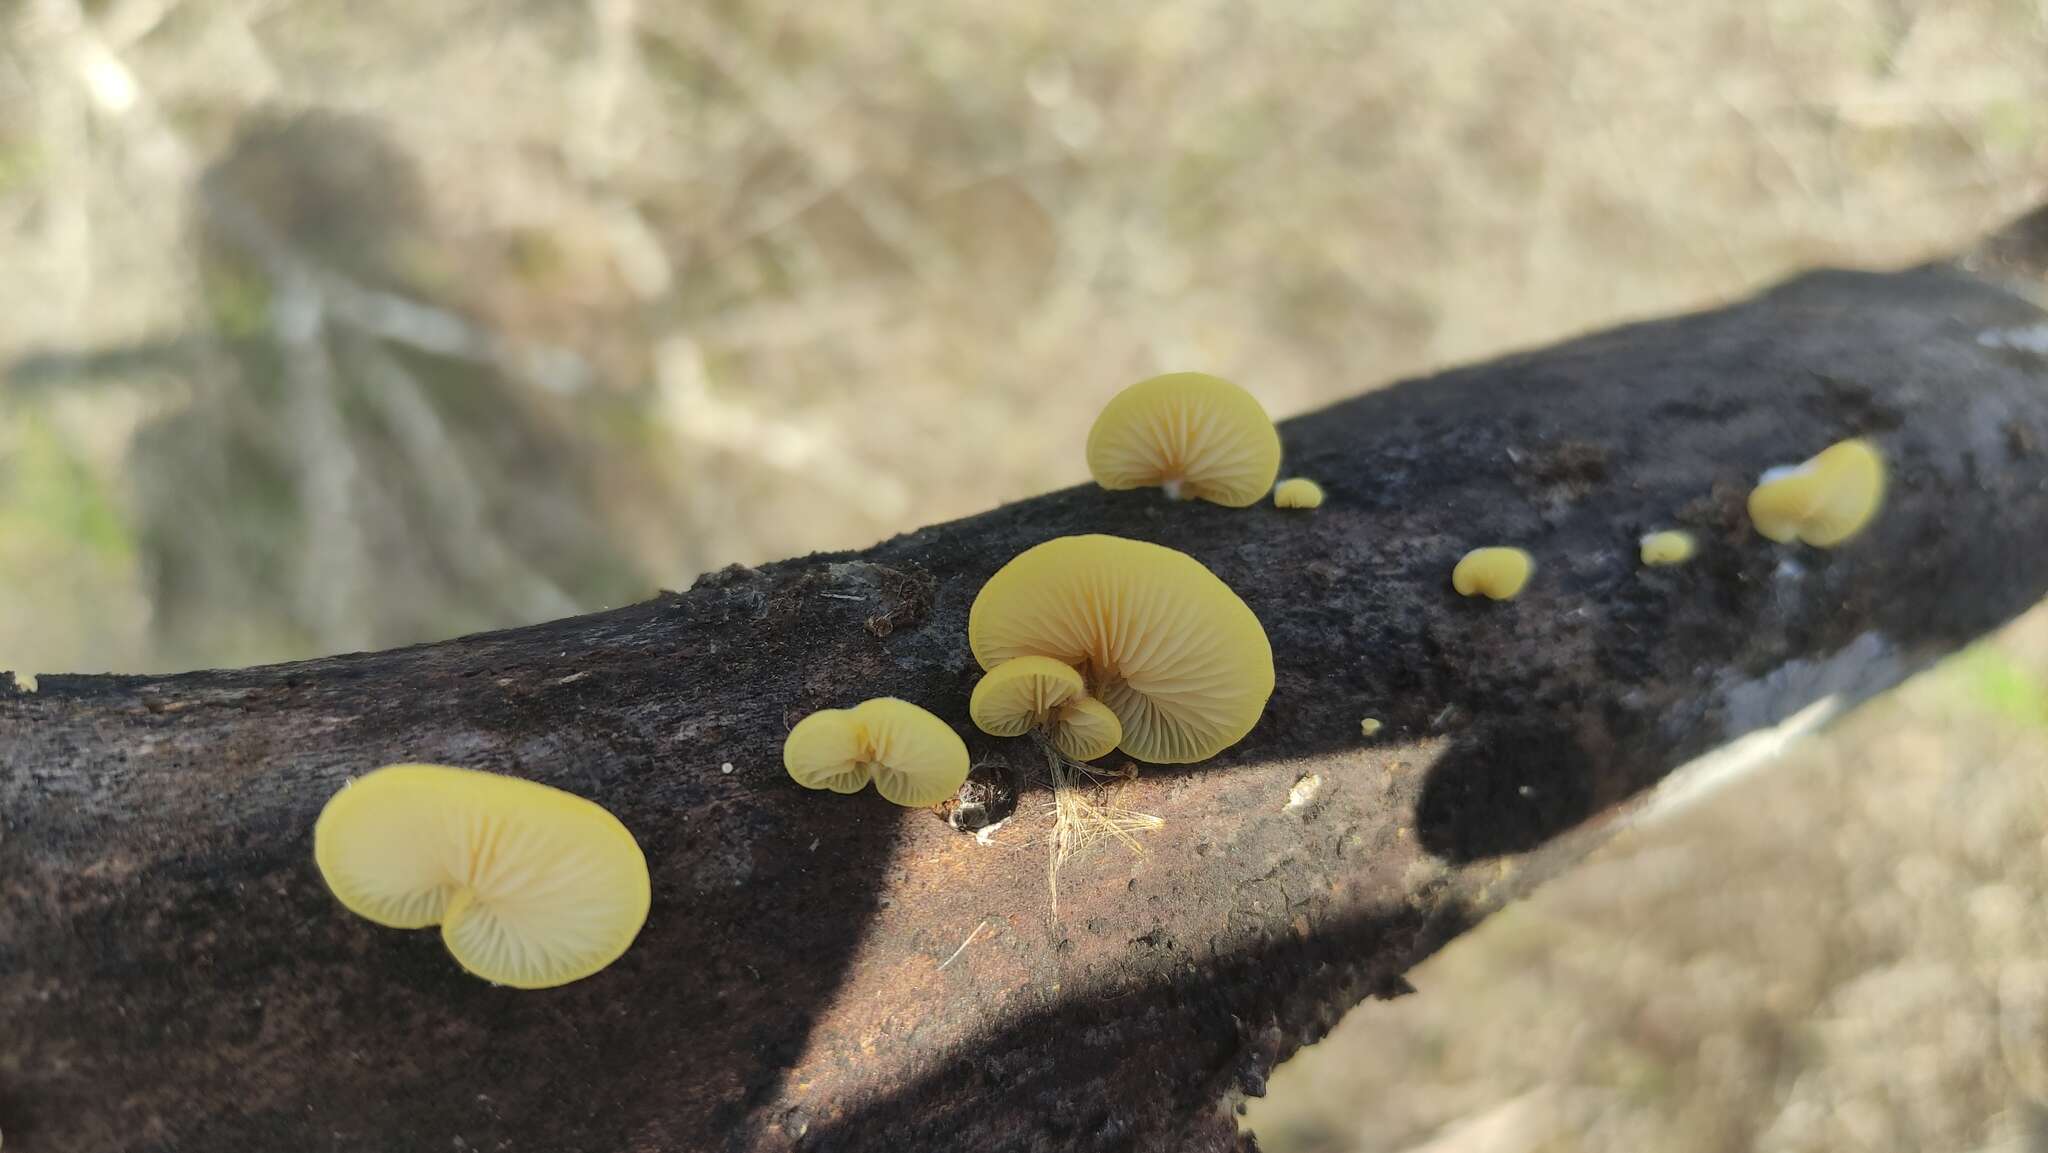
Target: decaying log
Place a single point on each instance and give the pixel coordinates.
(831, 973)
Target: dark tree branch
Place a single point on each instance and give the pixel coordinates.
(173, 975)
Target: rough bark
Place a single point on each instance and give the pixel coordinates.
(173, 975)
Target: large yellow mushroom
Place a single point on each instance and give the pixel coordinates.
(532, 887)
(1180, 660)
(914, 758)
(1035, 692)
(1823, 501)
(1194, 435)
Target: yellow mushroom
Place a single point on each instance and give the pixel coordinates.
(1036, 692)
(532, 887)
(1085, 729)
(1298, 492)
(1823, 501)
(1196, 436)
(914, 758)
(1498, 573)
(1667, 547)
(1370, 727)
(1174, 654)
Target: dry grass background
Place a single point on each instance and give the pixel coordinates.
(328, 326)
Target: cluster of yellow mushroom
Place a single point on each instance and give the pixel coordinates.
(1041, 693)
(1094, 643)
(1179, 662)
(1821, 502)
(1103, 643)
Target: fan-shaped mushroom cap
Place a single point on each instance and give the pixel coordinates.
(1039, 692)
(1193, 434)
(914, 758)
(1179, 659)
(1498, 573)
(1297, 492)
(532, 887)
(1086, 729)
(1667, 547)
(1020, 695)
(1824, 501)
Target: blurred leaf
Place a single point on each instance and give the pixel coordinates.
(238, 297)
(1997, 683)
(47, 490)
(20, 165)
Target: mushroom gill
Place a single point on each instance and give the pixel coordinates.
(1196, 436)
(532, 887)
(914, 758)
(1175, 654)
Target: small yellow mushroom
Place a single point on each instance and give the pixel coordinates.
(1034, 692)
(1823, 501)
(1498, 573)
(1298, 492)
(1085, 729)
(1180, 660)
(1194, 435)
(914, 758)
(1668, 547)
(532, 887)
(1370, 726)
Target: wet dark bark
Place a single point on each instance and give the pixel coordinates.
(173, 975)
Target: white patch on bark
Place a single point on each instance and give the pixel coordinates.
(1304, 791)
(2031, 338)
(1764, 716)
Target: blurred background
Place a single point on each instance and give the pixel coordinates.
(330, 326)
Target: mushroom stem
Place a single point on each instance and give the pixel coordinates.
(1078, 822)
(1171, 486)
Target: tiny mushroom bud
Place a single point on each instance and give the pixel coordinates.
(1668, 547)
(1823, 501)
(1498, 573)
(1370, 727)
(914, 758)
(1297, 492)
(1194, 435)
(1181, 661)
(1034, 692)
(532, 887)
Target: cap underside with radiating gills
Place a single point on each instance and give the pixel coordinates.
(1195, 435)
(914, 758)
(1823, 501)
(1180, 660)
(532, 887)
(1034, 692)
